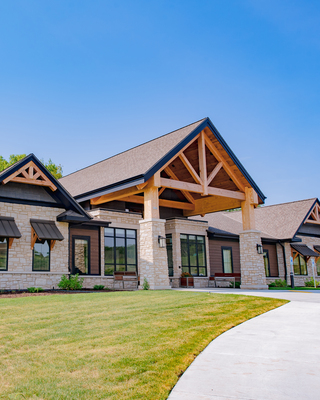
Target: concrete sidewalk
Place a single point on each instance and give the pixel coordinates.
(273, 356)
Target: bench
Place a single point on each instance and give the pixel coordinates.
(125, 276)
(224, 278)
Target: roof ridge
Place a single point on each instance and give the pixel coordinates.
(122, 152)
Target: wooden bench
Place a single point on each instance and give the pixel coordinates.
(125, 276)
(224, 278)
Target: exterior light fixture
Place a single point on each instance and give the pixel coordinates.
(162, 241)
(259, 248)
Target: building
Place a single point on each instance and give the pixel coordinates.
(146, 210)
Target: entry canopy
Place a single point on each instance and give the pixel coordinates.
(304, 250)
(8, 228)
(46, 230)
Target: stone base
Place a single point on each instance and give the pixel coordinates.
(254, 287)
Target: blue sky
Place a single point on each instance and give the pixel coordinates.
(83, 80)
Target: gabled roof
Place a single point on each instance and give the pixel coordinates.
(279, 221)
(64, 197)
(140, 163)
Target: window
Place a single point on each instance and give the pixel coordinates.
(193, 255)
(227, 260)
(3, 254)
(318, 266)
(41, 256)
(299, 264)
(120, 250)
(266, 262)
(81, 255)
(169, 253)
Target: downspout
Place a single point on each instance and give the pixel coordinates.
(284, 260)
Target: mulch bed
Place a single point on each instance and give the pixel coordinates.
(51, 292)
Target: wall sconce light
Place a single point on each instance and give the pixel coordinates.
(259, 248)
(162, 241)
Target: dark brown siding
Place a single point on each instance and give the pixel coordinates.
(273, 260)
(94, 235)
(216, 256)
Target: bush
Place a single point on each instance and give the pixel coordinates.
(34, 290)
(311, 283)
(145, 285)
(73, 282)
(278, 283)
(98, 287)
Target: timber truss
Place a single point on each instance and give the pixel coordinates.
(202, 178)
(30, 174)
(314, 216)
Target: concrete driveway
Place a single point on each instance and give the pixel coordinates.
(273, 356)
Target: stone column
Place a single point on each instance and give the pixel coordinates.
(153, 264)
(251, 263)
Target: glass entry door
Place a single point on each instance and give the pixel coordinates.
(81, 255)
(193, 255)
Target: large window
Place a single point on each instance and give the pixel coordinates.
(81, 255)
(299, 264)
(120, 250)
(318, 266)
(227, 260)
(41, 256)
(193, 255)
(3, 254)
(266, 262)
(169, 253)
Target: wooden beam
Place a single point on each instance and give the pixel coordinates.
(190, 168)
(192, 187)
(33, 238)
(52, 243)
(115, 195)
(247, 207)
(203, 163)
(212, 204)
(214, 172)
(181, 151)
(142, 185)
(226, 166)
(151, 203)
(162, 203)
(173, 176)
(10, 241)
(161, 190)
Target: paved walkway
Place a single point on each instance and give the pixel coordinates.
(274, 356)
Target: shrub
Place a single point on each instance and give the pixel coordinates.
(311, 283)
(73, 282)
(145, 284)
(98, 287)
(237, 285)
(280, 283)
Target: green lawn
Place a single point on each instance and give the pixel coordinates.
(129, 345)
(295, 288)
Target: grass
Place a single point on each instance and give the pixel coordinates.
(295, 288)
(129, 345)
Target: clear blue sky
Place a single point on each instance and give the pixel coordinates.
(83, 80)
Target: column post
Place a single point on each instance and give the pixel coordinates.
(251, 263)
(153, 259)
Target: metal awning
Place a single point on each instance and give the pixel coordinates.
(304, 250)
(317, 248)
(8, 228)
(46, 230)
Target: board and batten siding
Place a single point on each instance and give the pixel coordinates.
(273, 259)
(215, 255)
(94, 234)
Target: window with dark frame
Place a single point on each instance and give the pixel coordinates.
(299, 264)
(318, 266)
(3, 254)
(81, 255)
(266, 262)
(169, 253)
(193, 254)
(41, 256)
(227, 262)
(120, 250)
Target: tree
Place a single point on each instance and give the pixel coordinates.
(54, 169)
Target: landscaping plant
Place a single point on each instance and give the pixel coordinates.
(310, 283)
(145, 285)
(73, 282)
(98, 287)
(34, 290)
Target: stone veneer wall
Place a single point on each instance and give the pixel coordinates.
(177, 226)
(251, 263)
(20, 274)
(153, 262)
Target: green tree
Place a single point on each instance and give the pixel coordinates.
(54, 169)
